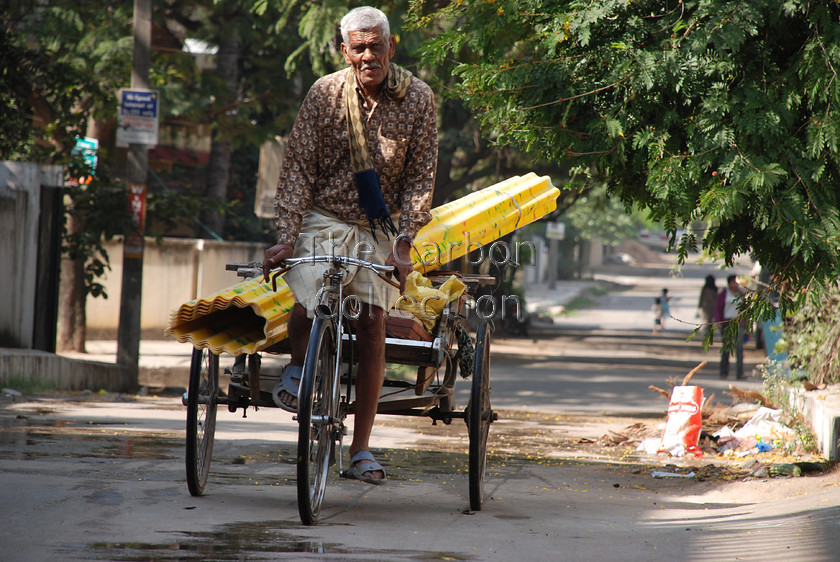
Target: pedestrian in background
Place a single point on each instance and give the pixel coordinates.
(664, 301)
(706, 306)
(726, 309)
(657, 315)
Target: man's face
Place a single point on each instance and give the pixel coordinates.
(733, 286)
(369, 53)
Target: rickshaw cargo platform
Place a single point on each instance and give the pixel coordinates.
(249, 316)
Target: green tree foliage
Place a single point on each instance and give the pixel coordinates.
(64, 61)
(245, 98)
(598, 214)
(811, 337)
(47, 97)
(723, 112)
(43, 94)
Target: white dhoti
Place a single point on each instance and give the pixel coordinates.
(322, 233)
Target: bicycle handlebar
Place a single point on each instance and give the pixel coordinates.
(339, 261)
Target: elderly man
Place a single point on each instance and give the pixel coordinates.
(360, 160)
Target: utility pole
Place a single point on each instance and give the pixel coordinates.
(553, 250)
(128, 337)
(554, 231)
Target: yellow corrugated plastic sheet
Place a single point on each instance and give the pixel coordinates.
(481, 218)
(249, 316)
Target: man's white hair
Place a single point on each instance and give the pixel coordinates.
(364, 19)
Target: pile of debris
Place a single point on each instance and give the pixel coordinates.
(698, 427)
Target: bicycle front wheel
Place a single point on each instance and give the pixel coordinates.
(317, 419)
(202, 398)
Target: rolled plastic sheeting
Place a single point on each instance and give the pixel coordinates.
(249, 317)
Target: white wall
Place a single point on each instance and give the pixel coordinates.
(174, 272)
(20, 212)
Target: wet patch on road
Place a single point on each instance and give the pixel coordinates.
(31, 437)
(105, 497)
(245, 541)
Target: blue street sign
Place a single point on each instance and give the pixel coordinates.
(138, 117)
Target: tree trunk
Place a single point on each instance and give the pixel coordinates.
(71, 332)
(218, 165)
(443, 187)
(71, 329)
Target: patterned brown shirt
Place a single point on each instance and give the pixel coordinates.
(401, 136)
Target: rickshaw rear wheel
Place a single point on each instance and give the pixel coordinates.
(479, 415)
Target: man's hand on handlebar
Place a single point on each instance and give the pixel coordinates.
(401, 262)
(274, 256)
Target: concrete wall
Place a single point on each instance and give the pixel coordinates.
(20, 210)
(174, 272)
(62, 372)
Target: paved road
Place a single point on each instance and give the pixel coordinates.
(101, 477)
(602, 358)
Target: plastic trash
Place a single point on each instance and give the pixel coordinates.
(764, 424)
(764, 446)
(661, 474)
(650, 445)
(682, 428)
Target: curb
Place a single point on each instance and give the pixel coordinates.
(64, 373)
(821, 410)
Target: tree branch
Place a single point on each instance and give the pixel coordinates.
(561, 100)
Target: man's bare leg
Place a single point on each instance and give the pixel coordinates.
(370, 334)
(299, 326)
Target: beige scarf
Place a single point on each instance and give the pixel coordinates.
(396, 86)
(367, 181)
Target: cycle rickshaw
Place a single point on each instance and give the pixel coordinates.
(326, 388)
